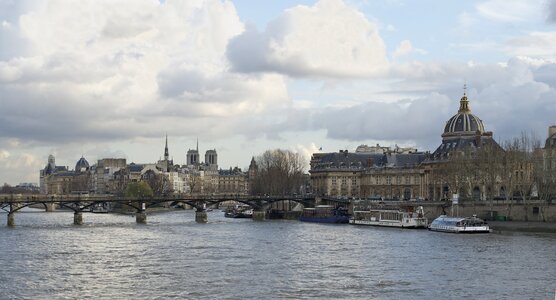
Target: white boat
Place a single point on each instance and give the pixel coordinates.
(459, 225)
(390, 218)
(239, 211)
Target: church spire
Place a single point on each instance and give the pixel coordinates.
(166, 155)
(463, 102)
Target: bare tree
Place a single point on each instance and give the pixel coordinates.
(522, 162)
(279, 172)
(159, 183)
(194, 183)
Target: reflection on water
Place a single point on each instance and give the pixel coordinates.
(111, 257)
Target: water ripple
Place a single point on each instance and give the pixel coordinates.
(111, 257)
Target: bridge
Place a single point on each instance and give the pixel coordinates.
(12, 203)
(79, 204)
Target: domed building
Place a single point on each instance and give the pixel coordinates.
(464, 133)
(82, 165)
(461, 131)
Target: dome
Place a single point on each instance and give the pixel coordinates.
(464, 121)
(82, 165)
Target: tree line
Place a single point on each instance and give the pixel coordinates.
(279, 172)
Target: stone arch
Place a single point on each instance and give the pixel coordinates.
(407, 194)
(476, 194)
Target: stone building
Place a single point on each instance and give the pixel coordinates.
(405, 173)
(546, 187)
(103, 174)
(232, 181)
(48, 170)
(381, 172)
(464, 134)
(61, 181)
(112, 175)
(252, 175)
(550, 150)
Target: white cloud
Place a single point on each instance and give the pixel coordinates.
(510, 11)
(534, 44)
(24, 166)
(4, 154)
(111, 70)
(405, 48)
(306, 151)
(329, 39)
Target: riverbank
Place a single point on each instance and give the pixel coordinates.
(505, 226)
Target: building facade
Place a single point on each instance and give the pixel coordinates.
(405, 173)
(377, 172)
(112, 175)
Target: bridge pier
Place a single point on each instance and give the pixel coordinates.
(201, 216)
(49, 207)
(259, 215)
(141, 217)
(11, 220)
(77, 218)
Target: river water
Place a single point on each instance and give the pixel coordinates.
(172, 257)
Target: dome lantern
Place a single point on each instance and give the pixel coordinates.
(463, 102)
(464, 122)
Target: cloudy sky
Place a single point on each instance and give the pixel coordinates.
(111, 78)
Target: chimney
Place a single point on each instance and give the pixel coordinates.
(551, 130)
(478, 138)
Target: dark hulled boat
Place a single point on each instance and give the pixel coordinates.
(325, 214)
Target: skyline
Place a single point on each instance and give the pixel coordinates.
(110, 79)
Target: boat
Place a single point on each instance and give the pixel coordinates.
(325, 214)
(390, 218)
(239, 211)
(100, 208)
(459, 225)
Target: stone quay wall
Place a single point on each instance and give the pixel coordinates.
(533, 211)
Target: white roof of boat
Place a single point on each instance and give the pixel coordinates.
(457, 219)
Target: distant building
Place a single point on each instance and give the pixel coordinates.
(464, 134)
(103, 175)
(28, 187)
(550, 149)
(232, 181)
(364, 149)
(49, 170)
(252, 175)
(463, 131)
(368, 174)
(404, 173)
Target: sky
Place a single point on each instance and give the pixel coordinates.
(103, 79)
